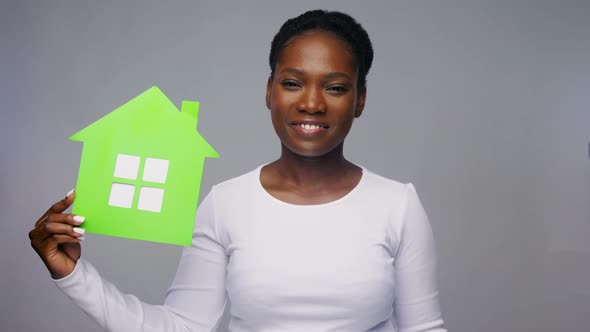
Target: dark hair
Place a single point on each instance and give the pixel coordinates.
(342, 25)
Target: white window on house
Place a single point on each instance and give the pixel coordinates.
(126, 183)
(121, 195)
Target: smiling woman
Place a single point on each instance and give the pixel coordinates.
(315, 73)
(308, 242)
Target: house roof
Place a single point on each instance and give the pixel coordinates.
(151, 113)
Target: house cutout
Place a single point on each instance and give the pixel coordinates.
(140, 170)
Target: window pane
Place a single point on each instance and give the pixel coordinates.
(155, 170)
(121, 195)
(127, 166)
(150, 199)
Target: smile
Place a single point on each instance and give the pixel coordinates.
(309, 128)
(310, 125)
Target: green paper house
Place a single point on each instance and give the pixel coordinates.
(141, 170)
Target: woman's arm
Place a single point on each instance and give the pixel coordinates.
(416, 293)
(194, 302)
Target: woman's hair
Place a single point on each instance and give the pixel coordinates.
(340, 24)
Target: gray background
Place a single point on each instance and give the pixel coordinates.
(482, 105)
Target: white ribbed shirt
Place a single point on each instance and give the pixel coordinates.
(365, 262)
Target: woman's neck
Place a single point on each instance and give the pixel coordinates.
(303, 180)
(309, 172)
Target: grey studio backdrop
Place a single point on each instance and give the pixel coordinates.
(482, 105)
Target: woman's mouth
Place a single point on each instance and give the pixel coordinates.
(309, 128)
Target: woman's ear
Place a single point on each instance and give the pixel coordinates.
(360, 102)
(268, 88)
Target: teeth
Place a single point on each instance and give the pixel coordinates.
(309, 126)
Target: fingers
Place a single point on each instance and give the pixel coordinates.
(56, 237)
(48, 248)
(58, 207)
(60, 223)
(47, 236)
(61, 238)
(56, 228)
(65, 218)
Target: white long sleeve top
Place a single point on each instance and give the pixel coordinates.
(365, 262)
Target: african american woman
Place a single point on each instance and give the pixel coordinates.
(308, 242)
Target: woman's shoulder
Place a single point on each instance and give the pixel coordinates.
(240, 185)
(379, 182)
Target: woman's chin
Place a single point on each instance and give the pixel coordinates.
(312, 152)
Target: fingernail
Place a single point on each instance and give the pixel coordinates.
(81, 238)
(79, 230)
(79, 219)
(70, 193)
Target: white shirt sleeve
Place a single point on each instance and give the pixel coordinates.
(194, 302)
(416, 304)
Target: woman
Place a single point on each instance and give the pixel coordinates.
(309, 242)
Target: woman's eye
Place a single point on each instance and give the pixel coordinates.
(337, 89)
(290, 84)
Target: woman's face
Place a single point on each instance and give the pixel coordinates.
(313, 95)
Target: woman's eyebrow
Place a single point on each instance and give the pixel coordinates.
(293, 71)
(336, 74)
(330, 75)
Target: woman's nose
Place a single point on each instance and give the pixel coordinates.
(312, 101)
